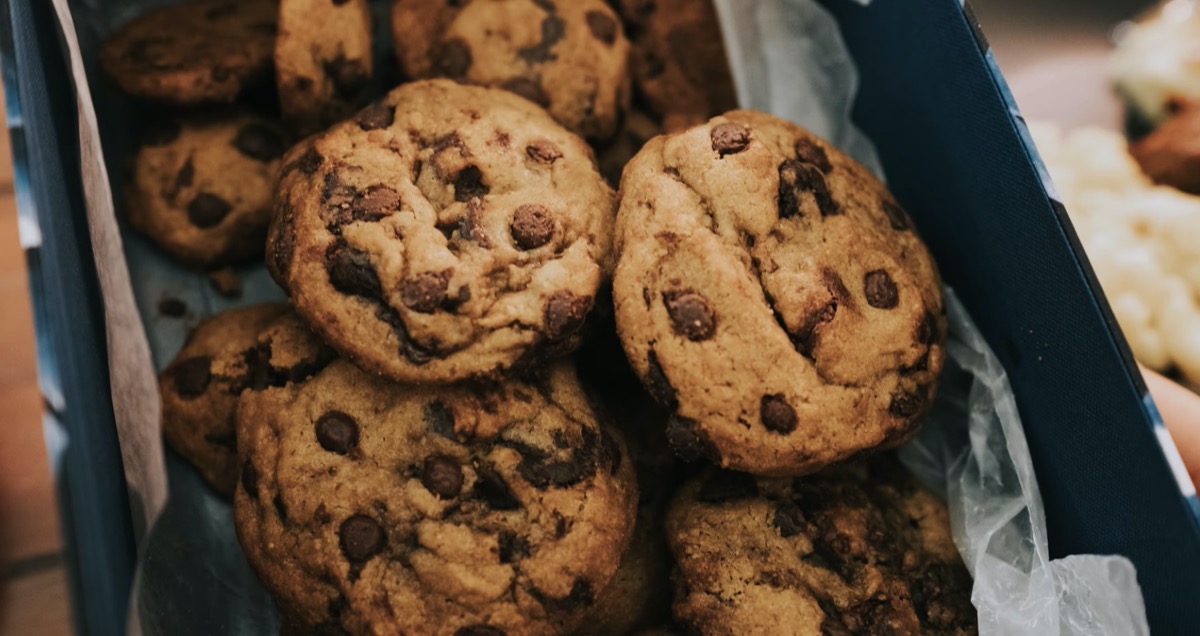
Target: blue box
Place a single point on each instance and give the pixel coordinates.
(957, 156)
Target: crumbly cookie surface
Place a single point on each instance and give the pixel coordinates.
(860, 548)
(323, 61)
(445, 232)
(774, 295)
(200, 185)
(373, 507)
(568, 56)
(234, 351)
(193, 52)
(678, 61)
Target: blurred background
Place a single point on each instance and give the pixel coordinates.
(1053, 52)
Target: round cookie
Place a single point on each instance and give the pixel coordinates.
(446, 232)
(372, 507)
(569, 56)
(323, 61)
(772, 292)
(860, 548)
(196, 51)
(200, 186)
(678, 61)
(231, 352)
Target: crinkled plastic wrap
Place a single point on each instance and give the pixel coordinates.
(788, 58)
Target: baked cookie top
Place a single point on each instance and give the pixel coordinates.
(323, 61)
(678, 63)
(445, 232)
(568, 56)
(772, 292)
(200, 185)
(196, 51)
(860, 548)
(231, 352)
(373, 507)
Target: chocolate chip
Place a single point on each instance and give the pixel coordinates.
(685, 441)
(797, 179)
(729, 138)
(896, 215)
(777, 414)
(602, 26)
(470, 226)
(376, 116)
(553, 29)
(789, 519)
(375, 203)
(469, 184)
(493, 490)
(808, 151)
(531, 227)
(191, 376)
(880, 290)
(350, 77)
(160, 131)
(308, 162)
(479, 630)
(187, 174)
(726, 485)
(454, 59)
(250, 479)
(425, 292)
(259, 142)
(207, 210)
(337, 432)
(172, 307)
(565, 313)
(657, 383)
(361, 537)
(350, 271)
(905, 404)
(926, 329)
(442, 476)
(281, 508)
(511, 546)
(543, 470)
(529, 89)
(543, 152)
(691, 315)
(439, 418)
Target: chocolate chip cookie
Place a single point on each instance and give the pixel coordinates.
(445, 232)
(372, 507)
(200, 185)
(227, 354)
(196, 51)
(322, 61)
(774, 295)
(860, 548)
(678, 62)
(568, 56)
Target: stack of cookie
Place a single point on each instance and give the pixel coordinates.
(505, 399)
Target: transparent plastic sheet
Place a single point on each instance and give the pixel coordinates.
(788, 58)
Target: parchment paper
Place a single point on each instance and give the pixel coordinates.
(788, 59)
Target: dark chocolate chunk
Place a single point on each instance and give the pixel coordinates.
(880, 290)
(565, 313)
(896, 215)
(207, 210)
(658, 384)
(307, 162)
(602, 26)
(809, 152)
(726, 485)
(374, 203)
(442, 476)
(259, 142)
(350, 271)
(376, 116)
(691, 315)
(337, 432)
(789, 519)
(553, 29)
(439, 418)
(729, 138)
(777, 414)
(532, 226)
(361, 538)
(426, 291)
(191, 376)
(905, 404)
(469, 184)
(493, 490)
(797, 179)
(185, 177)
(511, 546)
(927, 329)
(685, 441)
